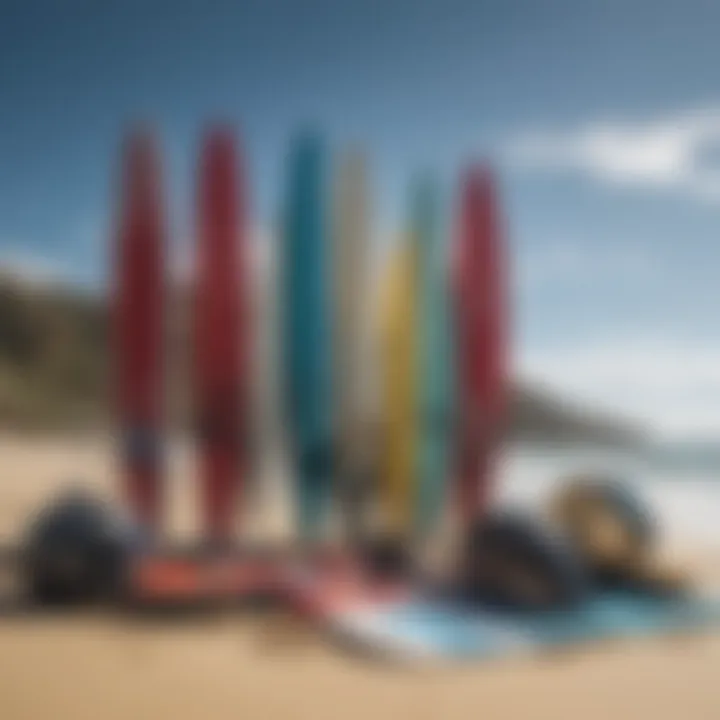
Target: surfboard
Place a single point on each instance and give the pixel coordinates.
(417, 386)
(220, 335)
(350, 293)
(420, 630)
(307, 345)
(433, 422)
(399, 370)
(480, 313)
(139, 329)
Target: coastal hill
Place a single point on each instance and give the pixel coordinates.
(55, 367)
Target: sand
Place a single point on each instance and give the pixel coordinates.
(96, 665)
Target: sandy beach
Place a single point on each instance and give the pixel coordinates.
(99, 666)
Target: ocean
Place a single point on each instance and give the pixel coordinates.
(681, 486)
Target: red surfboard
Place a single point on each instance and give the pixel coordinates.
(481, 340)
(220, 333)
(139, 308)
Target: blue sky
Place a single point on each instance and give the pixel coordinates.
(603, 118)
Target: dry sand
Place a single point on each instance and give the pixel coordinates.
(96, 666)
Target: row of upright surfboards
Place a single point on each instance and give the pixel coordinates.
(431, 435)
(390, 375)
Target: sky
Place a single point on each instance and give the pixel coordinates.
(602, 118)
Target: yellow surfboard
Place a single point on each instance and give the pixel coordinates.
(399, 371)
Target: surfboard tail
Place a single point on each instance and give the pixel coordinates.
(220, 333)
(139, 327)
(479, 278)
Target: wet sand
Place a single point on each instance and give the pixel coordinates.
(93, 665)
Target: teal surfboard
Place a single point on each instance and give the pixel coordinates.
(433, 363)
(306, 333)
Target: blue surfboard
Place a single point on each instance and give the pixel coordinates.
(433, 356)
(421, 629)
(306, 332)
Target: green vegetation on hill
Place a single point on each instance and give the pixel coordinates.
(53, 357)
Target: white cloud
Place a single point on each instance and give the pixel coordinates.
(590, 265)
(671, 153)
(673, 387)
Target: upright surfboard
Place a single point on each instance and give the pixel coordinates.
(139, 311)
(350, 293)
(480, 309)
(307, 334)
(416, 372)
(220, 334)
(433, 338)
(400, 377)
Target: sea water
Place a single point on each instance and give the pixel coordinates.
(681, 485)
